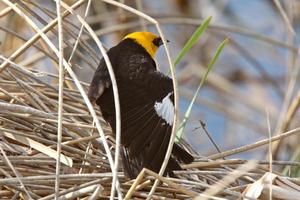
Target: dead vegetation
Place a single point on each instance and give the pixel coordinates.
(30, 105)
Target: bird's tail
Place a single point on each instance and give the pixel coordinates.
(132, 166)
(182, 154)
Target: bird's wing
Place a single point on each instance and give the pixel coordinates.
(141, 71)
(147, 115)
(100, 82)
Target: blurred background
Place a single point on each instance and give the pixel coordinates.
(255, 79)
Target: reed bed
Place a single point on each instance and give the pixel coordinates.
(51, 138)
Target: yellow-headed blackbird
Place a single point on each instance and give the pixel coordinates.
(146, 101)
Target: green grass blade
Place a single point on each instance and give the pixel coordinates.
(293, 171)
(193, 39)
(188, 111)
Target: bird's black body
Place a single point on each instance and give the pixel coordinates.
(144, 134)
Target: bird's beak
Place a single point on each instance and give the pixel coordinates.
(158, 41)
(161, 41)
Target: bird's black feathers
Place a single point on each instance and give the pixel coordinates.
(144, 134)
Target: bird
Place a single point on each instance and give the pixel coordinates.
(146, 104)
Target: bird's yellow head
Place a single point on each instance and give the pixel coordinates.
(148, 40)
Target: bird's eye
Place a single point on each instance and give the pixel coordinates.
(157, 41)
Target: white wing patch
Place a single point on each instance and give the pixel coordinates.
(165, 109)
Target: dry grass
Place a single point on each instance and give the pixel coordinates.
(54, 144)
